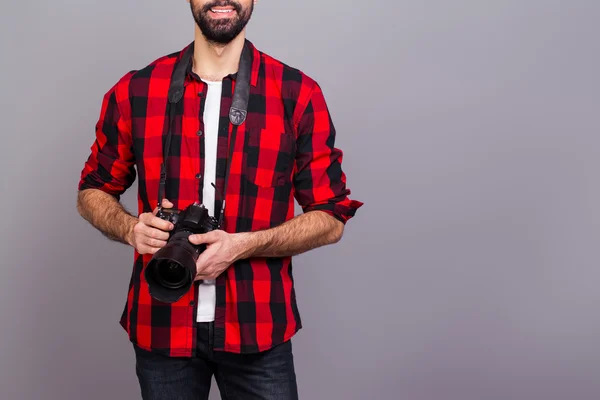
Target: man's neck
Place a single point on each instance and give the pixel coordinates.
(214, 62)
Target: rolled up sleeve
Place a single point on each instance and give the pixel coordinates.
(110, 164)
(319, 182)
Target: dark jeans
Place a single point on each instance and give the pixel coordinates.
(268, 375)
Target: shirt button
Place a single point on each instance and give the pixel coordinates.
(199, 94)
(198, 176)
(200, 133)
(192, 303)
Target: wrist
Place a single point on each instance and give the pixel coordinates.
(130, 223)
(247, 244)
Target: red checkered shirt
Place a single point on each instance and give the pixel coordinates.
(283, 151)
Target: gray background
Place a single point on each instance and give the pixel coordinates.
(470, 130)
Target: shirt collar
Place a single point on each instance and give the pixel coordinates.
(191, 75)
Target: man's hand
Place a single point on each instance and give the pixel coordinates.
(222, 250)
(298, 235)
(150, 233)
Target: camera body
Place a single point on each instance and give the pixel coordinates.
(171, 271)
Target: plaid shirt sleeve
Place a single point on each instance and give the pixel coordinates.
(320, 183)
(110, 165)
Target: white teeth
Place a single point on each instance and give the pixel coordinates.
(221, 11)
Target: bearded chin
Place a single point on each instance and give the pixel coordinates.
(221, 31)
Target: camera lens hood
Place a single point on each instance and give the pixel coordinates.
(179, 256)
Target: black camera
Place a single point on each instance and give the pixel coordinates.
(171, 271)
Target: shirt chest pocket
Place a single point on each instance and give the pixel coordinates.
(269, 157)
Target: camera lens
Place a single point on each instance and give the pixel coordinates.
(171, 274)
(171, 271)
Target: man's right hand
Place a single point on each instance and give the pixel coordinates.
(150, 233)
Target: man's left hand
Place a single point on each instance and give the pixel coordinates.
(222, 250)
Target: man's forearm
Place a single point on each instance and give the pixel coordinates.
(298, 235)
(106, 214)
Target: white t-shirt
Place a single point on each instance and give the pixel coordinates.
(212, 111)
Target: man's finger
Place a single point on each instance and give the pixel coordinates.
(148, 250)
(203, 262)
(146, 217)
(154, 233)
(165, 203)
(155, 242)
(154, 221)
(161, 223)
(206, 238)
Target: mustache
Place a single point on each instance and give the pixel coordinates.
(223, 3)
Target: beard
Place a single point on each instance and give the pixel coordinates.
(221, 30)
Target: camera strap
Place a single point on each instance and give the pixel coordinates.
(237, 112)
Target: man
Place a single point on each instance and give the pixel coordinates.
(236, 321)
